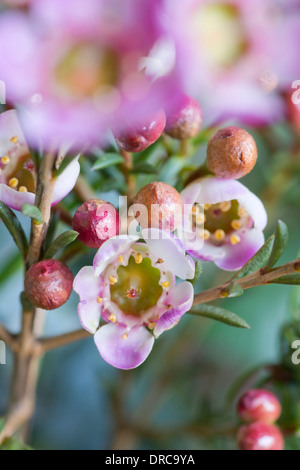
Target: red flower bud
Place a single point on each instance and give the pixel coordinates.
(137, 137)
(231, 153)
(48, 284)
(96, 221)
(185, 121)
(161, 207)
(260, 436)
(259, 405)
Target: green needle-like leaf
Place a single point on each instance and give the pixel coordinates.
(33, 212)
(198, 272)
(60, 242)
(14, 227)
(290, 279)
(257, 261)
(109, 159)
(144, 168)
(219, 314)
(280, 243)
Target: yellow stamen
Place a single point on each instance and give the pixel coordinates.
(242, 212)
(5, 160)
(138, 258)
(99, 300)
(151, 325)
(125, 336)
(23, 189)
(200, 219)
(14, 140)
(236, 224)
(160, 261)
(235, 239)
(121, 259)
(205, 234)
(195, 210)
(165, 284)
(219, 235)
(13, 183)
(112, 318)
(225, 206)
(113, 280)
(207, 207)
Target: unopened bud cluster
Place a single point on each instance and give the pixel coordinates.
(260, 409)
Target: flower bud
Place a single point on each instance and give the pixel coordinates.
(48, 284)
(260, 436)
(137, 137)
(96, 221)
(185, 121)
(158, 205)
(259, 405)
(231, 153)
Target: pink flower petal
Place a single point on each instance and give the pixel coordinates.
(66, 181)
(168, 247)
(110, 250)
(15, 199)
(88, 287)
(124, 353)
(181, 298)
(238, 255)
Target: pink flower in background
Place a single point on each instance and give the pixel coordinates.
(231, 223)
(17, 170)
(234, 54)
(76, 66)
(132, 286)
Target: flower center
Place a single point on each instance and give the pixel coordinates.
(85, 69)
(136, 288)
(220, 33)
(18, 172)
(222, 222)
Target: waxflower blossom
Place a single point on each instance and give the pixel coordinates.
(81, 61)
(223, 222)
(132, 286)
(17, 170)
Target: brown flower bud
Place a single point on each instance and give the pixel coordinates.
(48, 284)
(96, 221)
(185, 121)
(158, 205)
(231, 153)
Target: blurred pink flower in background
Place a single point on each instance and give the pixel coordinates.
(76, 66)
(235, 55)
